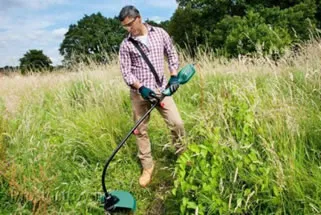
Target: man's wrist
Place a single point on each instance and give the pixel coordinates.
(137, 85)
(173, 73)
(141, 89)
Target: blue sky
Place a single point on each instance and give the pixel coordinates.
(41, 24)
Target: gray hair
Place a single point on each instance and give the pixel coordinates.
(128, 11)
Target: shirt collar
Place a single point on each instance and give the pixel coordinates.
(149, 28)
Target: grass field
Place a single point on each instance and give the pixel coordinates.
(253, 134)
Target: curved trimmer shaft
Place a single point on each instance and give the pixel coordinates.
(108, 198)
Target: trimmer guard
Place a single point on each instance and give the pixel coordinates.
(119, 201)
(126, 200)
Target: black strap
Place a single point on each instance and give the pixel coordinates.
(159, 83)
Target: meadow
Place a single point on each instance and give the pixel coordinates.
(253, 134)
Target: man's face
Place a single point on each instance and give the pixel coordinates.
(132, 25)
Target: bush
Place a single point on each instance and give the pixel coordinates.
(243, 160)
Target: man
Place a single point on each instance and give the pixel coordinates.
(145, 85)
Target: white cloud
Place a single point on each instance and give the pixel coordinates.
(54, 55)
(25, 33)
(14, 47)
(29, 4)
(163, 3)
(3, 44)
(22, 32)
(59, 33)
(115, 6)
(157, 19)
(154, 3)
(37, 24)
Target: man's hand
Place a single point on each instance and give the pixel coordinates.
(148, 94)
(173, 84)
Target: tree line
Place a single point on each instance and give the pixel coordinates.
(233, 27)
(226, 27)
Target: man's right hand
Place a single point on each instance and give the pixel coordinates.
(148, 94)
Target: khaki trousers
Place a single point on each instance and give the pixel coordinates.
(172, 118)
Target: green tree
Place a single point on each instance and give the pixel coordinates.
(301, 19)
(241, 26)
(252, 34)
(318, 13)
(162, 24)
(186, 28)
(35, 61)
(92, 38)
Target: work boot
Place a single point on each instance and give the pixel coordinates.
(146, 176)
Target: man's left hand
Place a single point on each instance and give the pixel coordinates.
(173, 84)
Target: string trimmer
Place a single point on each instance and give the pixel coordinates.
(123, 200)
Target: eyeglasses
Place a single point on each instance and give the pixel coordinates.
(129, 24)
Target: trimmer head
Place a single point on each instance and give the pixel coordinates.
(119, 201)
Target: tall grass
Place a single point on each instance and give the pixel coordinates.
(253, 133)
(256, 148)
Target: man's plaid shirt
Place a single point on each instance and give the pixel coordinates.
(133, 66)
